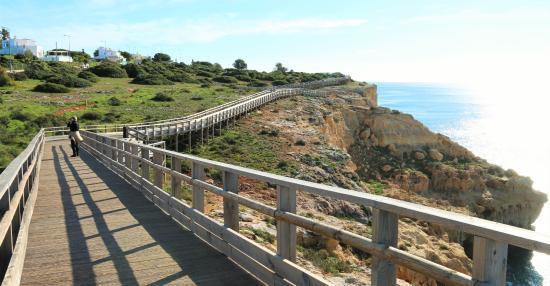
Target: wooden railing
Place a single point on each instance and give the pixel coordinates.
(18, 190)
(145, 168)
(155, 126)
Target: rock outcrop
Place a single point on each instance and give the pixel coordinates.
(349, 141)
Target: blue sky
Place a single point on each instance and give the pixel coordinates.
(428, 41)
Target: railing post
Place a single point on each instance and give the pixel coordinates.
(230, 207)
(135, 151)
(197, 173)
(113, 149)
(120, 154)
(489, 261)
(176, 181)
(384, 231)
(158, 159)
(145, 166)
(127, 160)
(286, 232)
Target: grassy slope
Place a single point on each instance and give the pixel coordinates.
(136, 106)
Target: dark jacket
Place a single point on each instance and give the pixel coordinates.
(73, 125)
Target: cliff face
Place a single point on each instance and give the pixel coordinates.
(349, 142)
(390, 145)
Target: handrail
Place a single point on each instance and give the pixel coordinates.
(490, 238)
(18, 190)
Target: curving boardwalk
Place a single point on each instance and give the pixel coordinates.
(75, 221)
(91, 227)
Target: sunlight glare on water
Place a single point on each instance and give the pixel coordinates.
(513, 131)
(507, 125)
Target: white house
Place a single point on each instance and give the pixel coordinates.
(58, 56)
(104, 53)
(14, 46)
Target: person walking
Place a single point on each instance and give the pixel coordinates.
(74, 135)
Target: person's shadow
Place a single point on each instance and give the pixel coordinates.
(143, 233)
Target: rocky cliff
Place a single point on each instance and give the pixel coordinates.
(345, 139)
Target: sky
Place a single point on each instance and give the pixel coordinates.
(409, 41)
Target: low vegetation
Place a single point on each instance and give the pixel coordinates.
(5, 79)
(324, 260)
(52, 92)
(51, 88)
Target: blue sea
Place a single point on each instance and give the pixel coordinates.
(503, 125)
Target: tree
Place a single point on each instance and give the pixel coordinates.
(96, 53)
(81, 57)
(126, 55)
(280, 67)
(5, 33)
(160, 57)
(240, 64)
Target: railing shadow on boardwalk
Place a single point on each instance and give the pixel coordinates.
(198, 261)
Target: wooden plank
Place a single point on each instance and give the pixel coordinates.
(197, 171)
(137, 245)
(286, 233)
(384, 227)
(176, 180)
(158, 159)
(512, 235)
(231, 207)
(262, 255)
(489, 261)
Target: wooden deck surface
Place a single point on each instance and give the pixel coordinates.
(91, 227)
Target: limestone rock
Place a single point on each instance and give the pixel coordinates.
(435, 155)
(419, 155)
(414, 181)
(365, 134)
(387, 168)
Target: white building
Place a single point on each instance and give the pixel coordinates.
(13, 46)
(58, 56)
(104, 53)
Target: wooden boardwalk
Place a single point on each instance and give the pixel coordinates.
(91, 227)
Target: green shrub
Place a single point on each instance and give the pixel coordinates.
(162, 97)
(300, 142)
(19, 115)
(69, 81)
(89, 76)
(19, 76)
(204, 73)
(160, 57)
(196, 97)
(51, 88)
(92, 115)
(181, 77)
(109, 69)
(111, 117)
(38, 70)
(114, 101)
(243, 77)
(5, 79)
(279, 82)
(133, 70)
(59, 68)
(225, 79)
(257, 83)
(330, 264)
(152, 79)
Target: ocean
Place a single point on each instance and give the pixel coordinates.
(505, 125)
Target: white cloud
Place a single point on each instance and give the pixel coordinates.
(170, 31)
